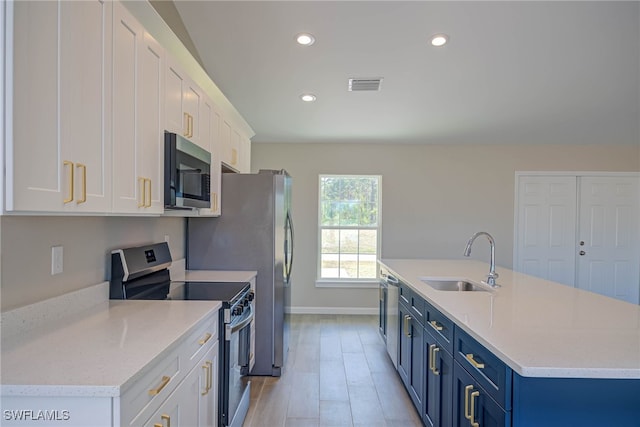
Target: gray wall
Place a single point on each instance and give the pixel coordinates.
(433, 197)
(25, 249)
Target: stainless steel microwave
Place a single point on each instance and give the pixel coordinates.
(187, 174)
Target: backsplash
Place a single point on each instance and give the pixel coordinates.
(25, 245)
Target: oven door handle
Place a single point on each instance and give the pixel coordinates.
(235, 327)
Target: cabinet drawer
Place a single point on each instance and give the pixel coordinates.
(489, 371)
(147, 394)
(413, 301)
(440, 326)
(199, 342)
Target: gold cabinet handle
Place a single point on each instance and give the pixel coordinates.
(436, 326)
(210, 377)
(214, 201)
(84, 182)
(143, 188)
(165, 381)
(475, 364)
(167, 418)
(190, 126)
(472, 412)
(234, 156)
(186, 124)
(467, 414)
(147, 203)
(407, 319)
(204, 340)
(207, 373)
(71, 180)
(158, 425)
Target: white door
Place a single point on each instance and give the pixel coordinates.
(609, 246)
(545, 235)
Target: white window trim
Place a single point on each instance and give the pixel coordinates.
(336, 282)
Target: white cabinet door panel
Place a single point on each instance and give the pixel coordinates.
(608, 226)
(151, 120)
(33, 163)
(546, 227)
(127, 34)
(84, 127)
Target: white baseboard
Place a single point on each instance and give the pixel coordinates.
(333, 310)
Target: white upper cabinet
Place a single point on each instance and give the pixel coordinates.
(138, 69)
(89, 89)
(184, 105)
(58, 144)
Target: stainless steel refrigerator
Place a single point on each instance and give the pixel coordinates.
(254, 232)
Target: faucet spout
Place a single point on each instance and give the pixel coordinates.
(492, 276)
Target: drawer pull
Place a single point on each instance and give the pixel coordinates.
(163, 384)
(167, 418)
(473, 422)
(84, 183)
(207, 373)
(204, 340)
(158, 425)
(407, 319)
(467, 414)
(475, 364)
(71, 181)
(436, 326)
(433, 349)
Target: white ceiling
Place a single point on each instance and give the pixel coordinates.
(512, 72)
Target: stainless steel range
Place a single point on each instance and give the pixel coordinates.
(142, 273)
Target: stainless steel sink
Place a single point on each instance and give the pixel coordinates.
(456, 285)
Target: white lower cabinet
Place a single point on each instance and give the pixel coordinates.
(180, 388)
(194, 402)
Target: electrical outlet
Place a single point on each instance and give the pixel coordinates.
(56, 260)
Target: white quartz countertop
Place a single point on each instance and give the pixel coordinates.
(99, 352)
(537, 327)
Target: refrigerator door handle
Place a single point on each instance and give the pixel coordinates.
(288, 260)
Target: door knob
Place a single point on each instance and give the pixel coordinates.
(583, 253)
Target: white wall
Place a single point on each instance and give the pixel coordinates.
(25, 249)
(433, 197)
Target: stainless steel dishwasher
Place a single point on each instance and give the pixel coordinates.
(390, 282)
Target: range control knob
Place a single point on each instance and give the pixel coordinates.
(237, 311)
(250, 296)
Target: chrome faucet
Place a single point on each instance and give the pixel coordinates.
(492, 276)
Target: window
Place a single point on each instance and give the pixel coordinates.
(349, 229)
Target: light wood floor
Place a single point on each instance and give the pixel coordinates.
(337, 374)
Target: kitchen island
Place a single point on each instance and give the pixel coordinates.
(563, 356)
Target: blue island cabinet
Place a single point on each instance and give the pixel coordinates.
(472, 405)
(561, 402)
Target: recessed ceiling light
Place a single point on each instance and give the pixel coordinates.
(305, 39)
(438, 40)
(308, 97)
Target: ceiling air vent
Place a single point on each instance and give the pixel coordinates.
(365, 84)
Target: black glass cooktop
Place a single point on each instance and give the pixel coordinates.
(217, 291)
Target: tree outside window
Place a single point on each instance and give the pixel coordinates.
(349, 220)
